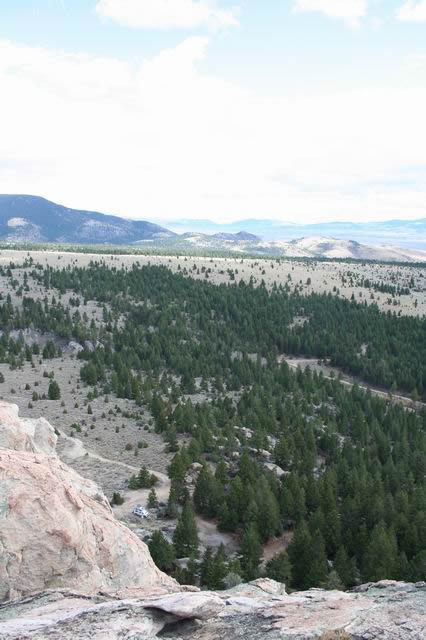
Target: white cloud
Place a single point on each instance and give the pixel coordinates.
(351, 11)
(416, 62)
(413, 11)
(167, 14)
(161, 138)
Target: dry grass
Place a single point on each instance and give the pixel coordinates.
(324, 276)
(336, 634)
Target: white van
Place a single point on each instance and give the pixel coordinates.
(140, 511)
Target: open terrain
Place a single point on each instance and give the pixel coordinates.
(338, 278)
(108, 437)
(31, 219)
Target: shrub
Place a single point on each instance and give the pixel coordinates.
(117, 498)
(54, 391)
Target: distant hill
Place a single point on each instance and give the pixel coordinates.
(407, 233)
(33, 219)
(305, 247)
(336, 248)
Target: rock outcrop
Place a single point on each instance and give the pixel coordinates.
(70, 571)
(259, 610)
(24, 434)
(57, 528)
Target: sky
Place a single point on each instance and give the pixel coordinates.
(297, 110)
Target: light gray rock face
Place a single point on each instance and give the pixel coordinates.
(23, 434)
(384, 611)
(73, 347)
(202, 605)
(57, 528)
(387, 610)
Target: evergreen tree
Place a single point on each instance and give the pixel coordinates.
(344, 568)
(279, 568)
(250, 552)
(333, 582)
(161, 551)
(219, 569)
(152, 499)
(300, 555)
(318, 569)
(206, 568)
(172, 504)
(381, 559)
(54, 392)
(268, 518)
(185, 537)
(207, 493)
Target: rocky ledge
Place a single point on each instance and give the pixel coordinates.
(70, 571)
(256, 611)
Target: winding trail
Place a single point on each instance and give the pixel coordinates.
(295, 363)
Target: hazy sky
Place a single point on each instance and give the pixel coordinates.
(302, 110)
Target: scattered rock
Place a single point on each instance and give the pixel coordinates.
(274, 468)
(201, 605)
(73, 347)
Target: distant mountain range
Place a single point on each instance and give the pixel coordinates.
(407, 233)
(305, 247)
(31, 219)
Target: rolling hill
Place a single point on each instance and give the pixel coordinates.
(305, 247)
(32, 219)
(407, 233)
(26, 218)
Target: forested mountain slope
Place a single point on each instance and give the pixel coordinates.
(26, 218)
(340, 472)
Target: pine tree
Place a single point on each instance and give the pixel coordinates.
(172, 504)
(318, 569)
(206, 569)
(117, 498)
(54, 392)
(185, 537)
(172, 443)
(418, 566)
(268, 518)
(381, 559)
(191, 571)
(219, 569)
(279, 568)
(220, 473)
(250, 552)
(300, 554)
(152, 499)
(343, 565)
(144, 478)
(207, 493)
(161, 551)
(333, 582)
(134, 482)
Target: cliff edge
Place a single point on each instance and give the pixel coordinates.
(70, 571)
